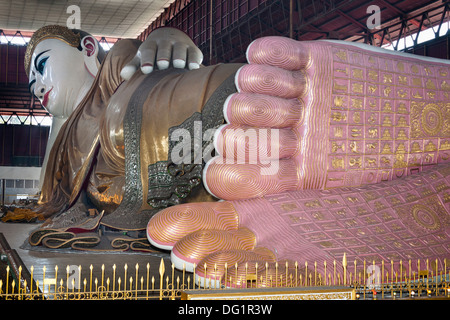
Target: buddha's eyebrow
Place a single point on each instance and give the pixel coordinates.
(37, 57)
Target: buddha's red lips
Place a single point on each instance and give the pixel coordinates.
(45, 101)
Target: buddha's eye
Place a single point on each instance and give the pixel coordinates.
(41, 65)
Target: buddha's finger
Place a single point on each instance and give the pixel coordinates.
(195, 58)
(163, 55)
(147, 54)
(191, 249)
(179, 55)
(213, 269)
(172, 224)
(130, 68)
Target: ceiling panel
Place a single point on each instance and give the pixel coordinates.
(108, 18)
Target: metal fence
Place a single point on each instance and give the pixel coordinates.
(415, 279)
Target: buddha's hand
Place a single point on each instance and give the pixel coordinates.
(164, 47)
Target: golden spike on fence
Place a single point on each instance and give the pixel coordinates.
(73, 285)
(306, 273)
(114, 277)
(173, 273)
(276, 274)
(215, 275)
(43, 278)
(19, 281)
(287, 271)
(131, 285)
(256, 274)
(437, 291)
(125, 277)
(401, 269)
(205, 267)
(409, 266)
(193, 277)
(148, 278)
(267, 270)
(392, 270)
(226, 273)
(418, 267)
(162, 269)
(315, 273)
(167, 282)
(24, 290)
(334, 272)
(364, 272)
(325, 275)
(445, 266)
(67, 278)
(184, 273)
(136, 267)
(90, 278)
(103, 274)
(32, 275)
(79, 278)
(153, 282)
(344, 264)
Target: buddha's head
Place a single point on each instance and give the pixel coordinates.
(60, 64)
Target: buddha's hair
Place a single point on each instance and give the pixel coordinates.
(72, 37)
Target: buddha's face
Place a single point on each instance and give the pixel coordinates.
(58, 76)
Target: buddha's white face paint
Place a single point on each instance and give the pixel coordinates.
(61, 75)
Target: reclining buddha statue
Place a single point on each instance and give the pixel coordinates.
(311, 151)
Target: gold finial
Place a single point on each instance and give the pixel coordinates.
(50, 32)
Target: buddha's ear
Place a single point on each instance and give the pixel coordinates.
(90, 52)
